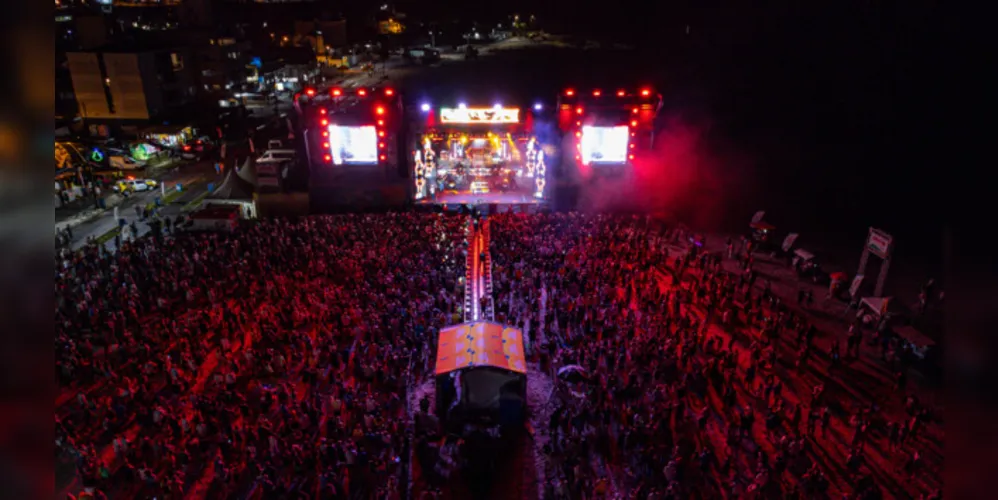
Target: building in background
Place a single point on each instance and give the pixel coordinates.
(80, 29)
(115, 84)
(222, 64)
(197, 13)
(323, 36)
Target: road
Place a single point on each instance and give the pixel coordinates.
(193, 177)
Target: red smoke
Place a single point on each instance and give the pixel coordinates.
(688, 176)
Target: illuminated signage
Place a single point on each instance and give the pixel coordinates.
(479, 115)
(604, 144)
(353, 145)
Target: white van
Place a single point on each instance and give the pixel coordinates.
(126, 163)
(276, 154)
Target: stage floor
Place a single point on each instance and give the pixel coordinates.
(481, 199)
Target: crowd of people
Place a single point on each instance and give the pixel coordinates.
(275, 362)
(701, 381)
(272, 361)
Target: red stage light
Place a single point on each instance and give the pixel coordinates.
(597, 93)
(381, 144)
(634, 110)
(577, 157)
(578, 134)
(645, 92)
(325, 145)
(578, 110)
(362, 92)
(634, 123)
(336, 92)
(630, 157)
(379, 110)
(325, 133)
(381, 133)
(381, 122)
(382, 157)
(323, 122)
(621, 93)
(569, 92)
(631, 145)
(389, 92)
(322, 111)
(327, 158)
(310, 92)
(578, 124)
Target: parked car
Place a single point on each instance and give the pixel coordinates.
(126, 163)
(138, 185)
(423, 55)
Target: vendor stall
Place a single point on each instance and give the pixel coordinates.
(806, 267)
(481, 374)
(761, 231)
(169, 136)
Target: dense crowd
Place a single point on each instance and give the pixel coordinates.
(700, 382)
(271, 361)
(275, 361)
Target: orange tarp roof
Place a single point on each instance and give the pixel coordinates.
(480, 343)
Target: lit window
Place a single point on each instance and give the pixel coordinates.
(177, 60)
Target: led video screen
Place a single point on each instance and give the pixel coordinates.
(604, 144)
(353, 145)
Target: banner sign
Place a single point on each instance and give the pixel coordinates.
(479, 115)
(757, 218)
(854, 287)
(789, 241)
(266, 168)
(879, 243)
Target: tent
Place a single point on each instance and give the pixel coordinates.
(236, 189)
(481, 373)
